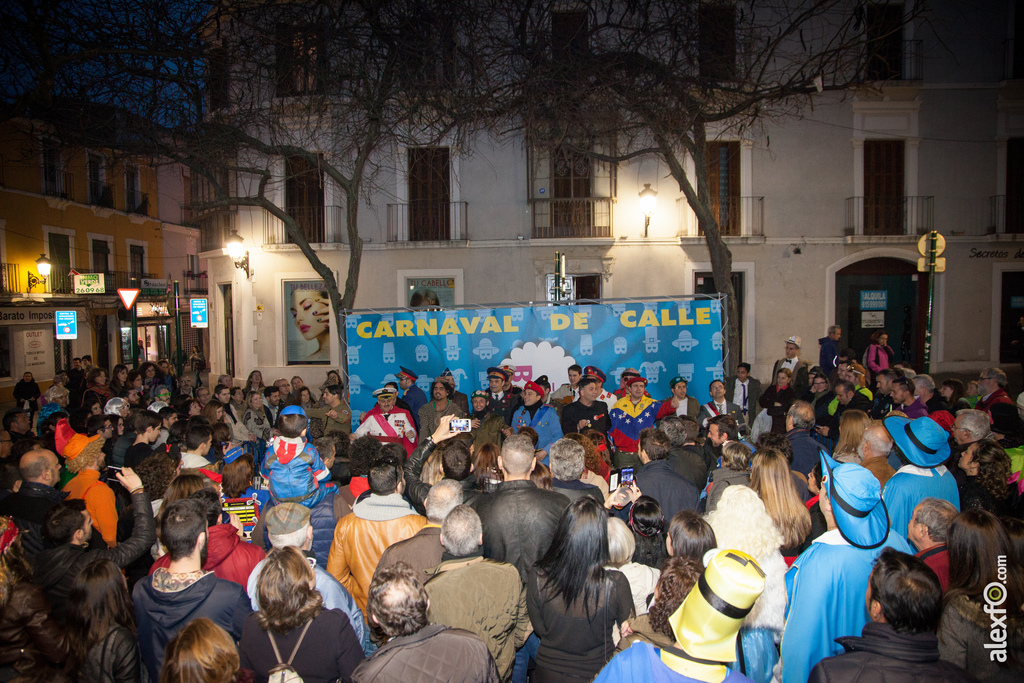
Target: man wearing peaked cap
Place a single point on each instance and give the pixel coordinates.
(922, 446)
(827, 583)
(705, 626)
(388, 423)
(607, 397)
(411, 393)
(503, 401)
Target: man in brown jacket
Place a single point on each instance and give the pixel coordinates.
(418, 651)
(423, 550)
(479, 595)
(377, 521)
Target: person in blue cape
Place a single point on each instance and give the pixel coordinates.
(543, 418)
(412, 395)
(705, 628)
(827, 583)
(921, 446)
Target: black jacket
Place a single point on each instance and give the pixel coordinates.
(416, 490)
(115, 659)
(597, 413)
(55, 570)
(28, 507)
(574, 490)
(881, 655)
(688, 462)
(161, 615)
(806, 450)
(519, 522)
(673, 492)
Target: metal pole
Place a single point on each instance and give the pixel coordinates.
(179, 354)
(558, 276)
(135, 328)
(931, 298)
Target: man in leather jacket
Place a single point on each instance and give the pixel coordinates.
(40, 472)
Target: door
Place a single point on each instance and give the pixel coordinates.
(1015, 184)
(905, 309)
(60, 257)
(572, 211)
(723, 160)
(101, 258)
(229, 330)
(430, 193)
(883, 187)
(1011, 318)
(304, 197)
(136, 262)
(704, 283)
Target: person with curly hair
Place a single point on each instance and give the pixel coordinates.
(292, 621)
(741, 522)
(594, 465)
(986, 468)
(678, 577)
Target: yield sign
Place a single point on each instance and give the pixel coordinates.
(128, 296)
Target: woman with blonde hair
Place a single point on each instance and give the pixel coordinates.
(292, 623)
(202, 652)
(621, 546)
(852, 426)
(741, 522)
(771, 479)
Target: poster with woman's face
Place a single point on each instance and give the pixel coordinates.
(308, 334)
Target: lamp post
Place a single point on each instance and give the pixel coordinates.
(648, 202)
(43, 265)
(238, 253)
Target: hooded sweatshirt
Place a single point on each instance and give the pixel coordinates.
(161, 611)
(295, 470)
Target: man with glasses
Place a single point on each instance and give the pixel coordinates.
(992, 387)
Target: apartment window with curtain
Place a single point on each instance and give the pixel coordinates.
(723, 161)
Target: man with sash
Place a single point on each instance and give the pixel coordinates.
(719, 406)
(386, 423)
(921, 446)
(827, 583)
(630, 416)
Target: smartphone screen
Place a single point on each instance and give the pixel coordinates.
(622, 477)
(627, 476)
(459, 425)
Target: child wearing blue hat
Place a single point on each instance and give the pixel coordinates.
(292, 465)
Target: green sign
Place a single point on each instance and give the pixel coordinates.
(89, 283)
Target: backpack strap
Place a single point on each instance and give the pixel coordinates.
(277, 653)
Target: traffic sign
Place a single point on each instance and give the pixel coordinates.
(67, 324)
(922, 244)
(940, 265)
(199, 312)
(128, 297)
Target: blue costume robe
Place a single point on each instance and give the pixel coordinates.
(416, 399)
(912, 484)
(826, 587)
(545, 421)
(641, 663)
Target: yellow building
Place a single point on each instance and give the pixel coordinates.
(86, 211)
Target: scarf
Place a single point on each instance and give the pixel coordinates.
(532, 410)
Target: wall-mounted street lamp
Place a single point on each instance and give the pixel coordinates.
(238, 252)
(43, 265)
(648, 202)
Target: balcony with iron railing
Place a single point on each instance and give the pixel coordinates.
(1005, 215)
(136, 202)
(889, 215)
(101, 194)
(737, 217)
(10, 278)
(581, 218)
(427, 221)
(317, 224)
(214, 227)
(59, 184)
(195, 283)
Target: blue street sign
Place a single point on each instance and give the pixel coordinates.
(200, 317)
(874, 300)
(67, 324)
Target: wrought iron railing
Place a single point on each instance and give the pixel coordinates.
(573, 218)
(889, 215)
(427, 221)
(10, 278)
(737, 217)
(317, 224)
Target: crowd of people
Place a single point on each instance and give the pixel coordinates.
(847, 520)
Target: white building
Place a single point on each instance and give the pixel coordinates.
(818, 208)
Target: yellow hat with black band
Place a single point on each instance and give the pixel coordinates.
(706, 624)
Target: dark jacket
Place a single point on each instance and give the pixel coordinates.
(597, 413)
(330, 650)
(881, 655)
(519, 521)
(673, 491)
(828, 354)
(435, 653)
(227, 556)
(321, 516)
(422, 551)
(30, 639)
(115, 659)
(574, 490)
(28, 507)
(805, 450)
(161, 615)
(416, 490)
(688, 462)
(55, 570)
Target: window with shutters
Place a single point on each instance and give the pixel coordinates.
(300, 54)
(570, 37)
(430, 193)
(883, 187)
(716, 31)
(304, 197)
(884, 28)
(723, 161)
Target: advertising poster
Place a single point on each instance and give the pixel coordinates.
(661, 339)
(427, 292)
(308, 330)
(37, 350)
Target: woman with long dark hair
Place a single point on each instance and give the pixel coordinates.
(980, 554)
(101, 626)
(575, 604)
(647, 522)
(119, 380)
(292, 621)
(96, 387)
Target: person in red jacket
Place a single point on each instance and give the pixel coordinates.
(927, 532)
(227, 556)
(992, 387)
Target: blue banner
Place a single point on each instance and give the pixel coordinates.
(660, 339)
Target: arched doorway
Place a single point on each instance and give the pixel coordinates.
(905, 306)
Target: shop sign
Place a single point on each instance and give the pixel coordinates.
(153, 287)
(90, 283)
(874, 300)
